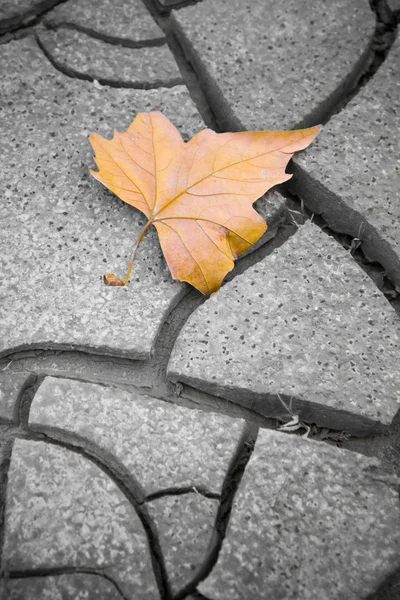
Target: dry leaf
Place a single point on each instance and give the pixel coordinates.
(198, 194)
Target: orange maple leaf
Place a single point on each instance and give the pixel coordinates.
(198, 194)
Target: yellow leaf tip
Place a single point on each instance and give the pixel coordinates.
(112, 280)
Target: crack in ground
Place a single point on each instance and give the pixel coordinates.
(6, 446)
(25, 395)
(280, 230)
(181, 491)
(383, 40)
(159, 10)
(225, 117)
(17, 35)
(73, 74)
(230, 481)
(211, 559)
(375, 270)
(230, 487)
(134, 493)
(364, 70)
(269, 410)
(64, 570)
(191, 80)
(212, 105)
(99, 456)
(109, 39)
(389, 589)
(107, 372)
(372, 247)
(147, 375)
(29, 17)
(202, 84)
(188, 73)
(123, 479)
(25, 398)
(196, 595)
(370, 251)
(108, 463)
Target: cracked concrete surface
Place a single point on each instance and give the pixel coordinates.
(363, 200)
(128, 23)
(80, 55)
(321, 50)
(137, 451)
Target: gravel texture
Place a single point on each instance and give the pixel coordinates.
(10, 386)
(81, 55)
(63, 510)
(20, 13)
(305, 322)
(351, 173)
(162, 445)
(62, 587)
(127, 22)
(306, 523)
(185, 524)
(65, 230)
(282, 64)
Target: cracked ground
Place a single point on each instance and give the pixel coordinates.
(156, 444)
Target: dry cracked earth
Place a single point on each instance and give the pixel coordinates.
(155, 444)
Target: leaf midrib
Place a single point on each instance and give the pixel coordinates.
(213, 173)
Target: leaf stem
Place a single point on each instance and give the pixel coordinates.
(139, 239)
(112, 280)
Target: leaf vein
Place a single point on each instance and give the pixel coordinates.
(211, 240)
(127, 176)
(190, 254)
